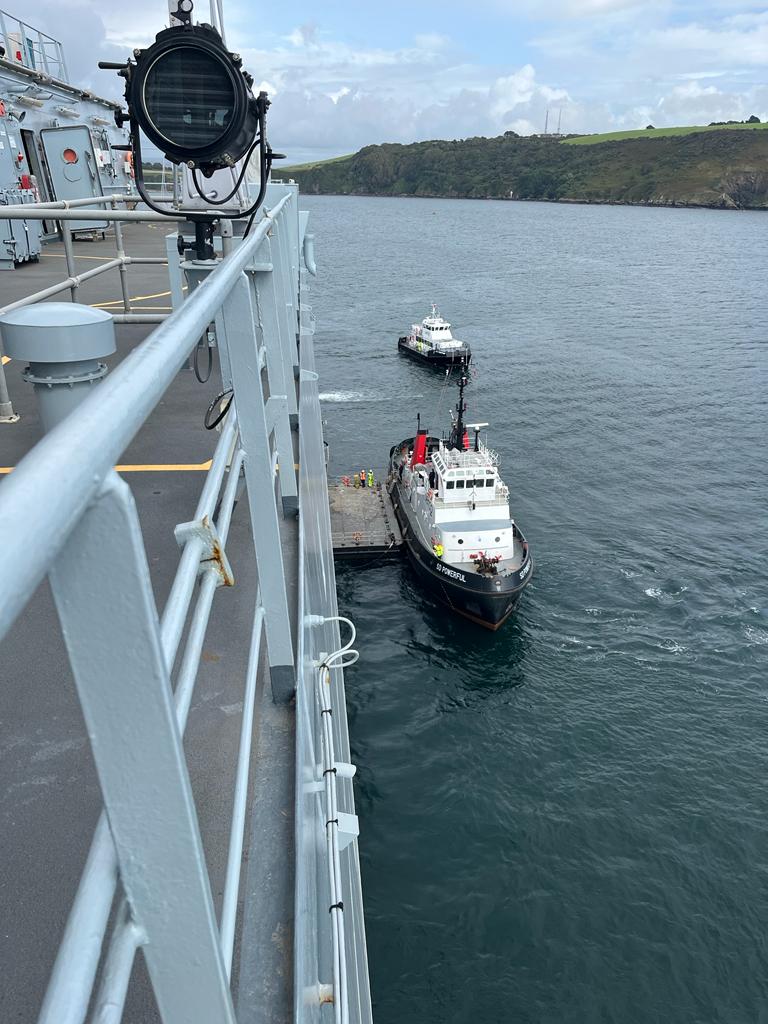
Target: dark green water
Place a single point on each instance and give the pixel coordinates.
(566, 821)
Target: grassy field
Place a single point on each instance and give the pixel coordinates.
(317, 163)
(656, 133)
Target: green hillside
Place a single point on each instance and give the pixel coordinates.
(657, 133)
(724, 169)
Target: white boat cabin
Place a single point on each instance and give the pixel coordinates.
(435, 332)
(463, 505)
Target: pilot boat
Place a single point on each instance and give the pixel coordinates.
(431, 342)
(453, 510)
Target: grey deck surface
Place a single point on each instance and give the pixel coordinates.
(49, 793)
(363, 522)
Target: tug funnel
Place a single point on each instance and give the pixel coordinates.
(419, 456)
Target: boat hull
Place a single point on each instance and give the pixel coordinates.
(432, 358)
(486, 600)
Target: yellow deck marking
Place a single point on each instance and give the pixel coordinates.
(6, 359)
(189, 467)
(138, 309)
(101, 259)
(136, 298)
(183, 467)
(108, 303)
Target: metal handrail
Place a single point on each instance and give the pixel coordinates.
(33, 43)
(73, 974)
(253, 301)
(82, 449)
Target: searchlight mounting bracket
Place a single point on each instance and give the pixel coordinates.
(180, 12)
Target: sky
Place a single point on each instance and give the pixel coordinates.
(345, 75)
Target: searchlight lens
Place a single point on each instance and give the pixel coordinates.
(189, 96)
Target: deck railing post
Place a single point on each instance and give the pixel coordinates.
(111, 627)
(285, 303)
(7, 415)
(280, 376)
(239, 336)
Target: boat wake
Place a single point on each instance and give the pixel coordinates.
(357, 396)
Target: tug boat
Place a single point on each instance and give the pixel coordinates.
(453, 510)
(431, 342)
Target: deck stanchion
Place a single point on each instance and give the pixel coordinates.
(7, 415)
(238, 336)
(286, 316)
(280, 374)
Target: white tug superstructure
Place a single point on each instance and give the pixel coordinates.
(467, 509)
(431, 341)
(453, 508)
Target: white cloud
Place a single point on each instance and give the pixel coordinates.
(738, 40)
(600, 64)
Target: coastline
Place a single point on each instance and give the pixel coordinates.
(673, 204)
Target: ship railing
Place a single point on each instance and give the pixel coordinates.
(66, 513)
(470, 458)
(26, 45)
(121, 210)
(500, 498)
(81, 210)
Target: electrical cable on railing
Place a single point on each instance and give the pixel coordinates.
(336, 659)
(195, 360)
(238, 183)
(207, 422)
(265, 167)
(339, 658)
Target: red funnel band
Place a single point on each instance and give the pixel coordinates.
(419, 456)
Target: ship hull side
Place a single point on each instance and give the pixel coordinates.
(432, 358)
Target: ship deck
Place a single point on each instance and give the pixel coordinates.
(49, 793)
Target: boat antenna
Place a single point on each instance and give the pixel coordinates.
(457, 433)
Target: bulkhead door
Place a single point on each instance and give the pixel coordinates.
(73, 169)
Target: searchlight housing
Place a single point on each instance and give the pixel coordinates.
(191, 98)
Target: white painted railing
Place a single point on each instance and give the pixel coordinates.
(64, 499)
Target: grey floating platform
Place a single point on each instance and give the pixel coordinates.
(363, 523)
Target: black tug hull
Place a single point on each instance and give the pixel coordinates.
(432, 358)
(486, 600)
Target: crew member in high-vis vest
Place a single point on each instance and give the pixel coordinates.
(370, 478)
(362, 478)
(439, 549)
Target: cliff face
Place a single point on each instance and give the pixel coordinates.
(723, 169)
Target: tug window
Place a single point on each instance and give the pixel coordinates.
(449, 484)
(459, 483)
(489, 482)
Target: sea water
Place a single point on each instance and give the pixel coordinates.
(565, 821)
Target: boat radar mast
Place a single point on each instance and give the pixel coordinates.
(458, 438)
